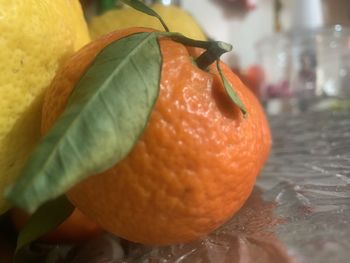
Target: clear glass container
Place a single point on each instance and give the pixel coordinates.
(306, 70)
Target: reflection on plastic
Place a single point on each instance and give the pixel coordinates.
(248, 237)
(298, 213)
(308, 177)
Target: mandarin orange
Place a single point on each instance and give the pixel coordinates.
(196, 162)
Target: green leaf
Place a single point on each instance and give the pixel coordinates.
(230, 91)
(46, 218)
(142, 7)
(105, 115)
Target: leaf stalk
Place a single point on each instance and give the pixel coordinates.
(212, 54)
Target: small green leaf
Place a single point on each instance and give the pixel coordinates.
(230, 91)
(46, 218)
(142, 7)
(105, 115)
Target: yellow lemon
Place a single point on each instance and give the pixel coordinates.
(176, 19)
(36, 37)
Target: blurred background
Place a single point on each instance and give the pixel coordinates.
(293, 54)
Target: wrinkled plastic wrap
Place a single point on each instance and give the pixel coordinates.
(299, 210)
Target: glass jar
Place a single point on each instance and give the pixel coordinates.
(306, 70)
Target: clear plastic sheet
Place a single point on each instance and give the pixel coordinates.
(308, 178)
(299, 210)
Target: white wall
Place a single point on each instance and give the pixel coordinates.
(241, 32)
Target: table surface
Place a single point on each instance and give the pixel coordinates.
(299, 210)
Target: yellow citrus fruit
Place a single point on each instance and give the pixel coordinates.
(194, 166)
(35, 38)
(176, 19)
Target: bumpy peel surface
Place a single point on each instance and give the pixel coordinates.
(195, 164)
(36, 37)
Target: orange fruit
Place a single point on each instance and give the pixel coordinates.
(76, 228)
(195, 164)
